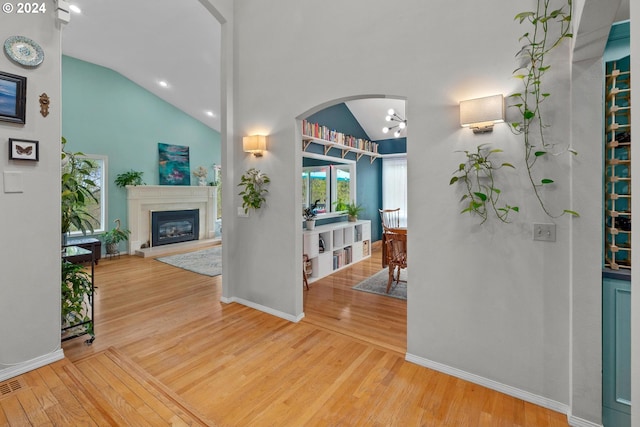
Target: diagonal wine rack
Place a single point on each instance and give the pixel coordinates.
(617, 167)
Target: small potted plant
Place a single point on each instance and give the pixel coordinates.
(341, 206)
(353, 210)
(129, 178)
(114, 236)
(254, 192)
(201, 173)
(309, 215)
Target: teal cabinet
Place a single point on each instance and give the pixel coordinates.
(616, 352)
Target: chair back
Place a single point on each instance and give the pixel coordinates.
(390, 218)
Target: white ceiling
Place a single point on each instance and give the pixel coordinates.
(152, 40)
(179, 42)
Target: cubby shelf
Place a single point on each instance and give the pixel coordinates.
(332, 247)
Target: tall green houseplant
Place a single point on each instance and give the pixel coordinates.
(78, 191)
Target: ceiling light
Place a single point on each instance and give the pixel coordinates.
(75, 9)
(210, 113)
(163, 83)
(398, 122)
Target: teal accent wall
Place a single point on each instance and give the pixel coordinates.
(368, 175)
(392, 146)
(104, 113)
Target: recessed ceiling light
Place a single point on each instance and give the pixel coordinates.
(75, 9)
(163, 83)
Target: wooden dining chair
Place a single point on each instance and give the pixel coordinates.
(396, 256)
(390, 218)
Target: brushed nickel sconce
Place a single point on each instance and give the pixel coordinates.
(254, 144)
(481, 114)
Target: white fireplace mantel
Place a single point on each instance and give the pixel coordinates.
(143, 199)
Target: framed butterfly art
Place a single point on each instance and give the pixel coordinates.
(23, 149)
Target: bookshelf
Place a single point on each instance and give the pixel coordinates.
(332, 247)
(328, 138)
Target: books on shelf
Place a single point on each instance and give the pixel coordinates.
(315, 130)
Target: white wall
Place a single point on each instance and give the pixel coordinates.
(483, 300)
(30, 221)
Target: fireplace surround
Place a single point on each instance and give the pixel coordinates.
(143, 199)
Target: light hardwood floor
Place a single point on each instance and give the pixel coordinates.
(342, 365)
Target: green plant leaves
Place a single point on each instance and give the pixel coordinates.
(546, 181)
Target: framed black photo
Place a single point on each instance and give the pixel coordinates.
(13, 97)
(23, 149)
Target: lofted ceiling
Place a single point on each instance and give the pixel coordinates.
(149, 41)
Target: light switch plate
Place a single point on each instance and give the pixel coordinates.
(13, 182)
(544, 232)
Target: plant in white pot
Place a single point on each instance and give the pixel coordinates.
(309, 215)
(114, 236)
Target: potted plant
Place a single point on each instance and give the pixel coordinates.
(253, 194)
(340, 205)
(129, 178)
(78, 190)
(76, 292)
(114, 236)
(309, 215)
(353, 210)
(201, 173)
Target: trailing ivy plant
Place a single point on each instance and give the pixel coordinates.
(76, 294)
(253, 194)
(548, 28)
(481, 194)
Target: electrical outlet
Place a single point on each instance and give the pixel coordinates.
(241, 212)
(544, 232)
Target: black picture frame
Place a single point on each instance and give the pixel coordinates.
(24, 149)
(13, 98)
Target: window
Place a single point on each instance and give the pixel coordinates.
(326, 180)
(394, 185)
(97, 209)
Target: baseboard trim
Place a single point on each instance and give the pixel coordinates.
(265, 309)
(580, 422)
(30, 365)
(493, 385)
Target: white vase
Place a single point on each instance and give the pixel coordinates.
(202, 182)
(311, 224)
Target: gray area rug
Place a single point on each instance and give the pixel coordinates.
(207, 261)
(377, 284)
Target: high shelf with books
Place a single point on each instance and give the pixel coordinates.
(322, 135)
(332, 247)
(617, 185)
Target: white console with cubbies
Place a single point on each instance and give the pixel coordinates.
(332, 247)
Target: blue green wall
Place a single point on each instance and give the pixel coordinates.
(368, 176)
(104, 113)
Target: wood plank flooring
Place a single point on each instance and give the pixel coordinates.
(342, 365)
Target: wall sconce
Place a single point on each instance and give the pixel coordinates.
(254, 144)
(480, 114)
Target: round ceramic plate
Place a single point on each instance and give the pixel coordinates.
(24, 51)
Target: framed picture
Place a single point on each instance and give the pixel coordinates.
(23, 149)
(13, 97)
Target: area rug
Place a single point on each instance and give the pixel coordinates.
(377, 284)
(207, 261)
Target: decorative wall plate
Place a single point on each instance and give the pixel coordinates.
(24, 51)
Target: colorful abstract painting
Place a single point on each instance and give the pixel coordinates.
(173, 164)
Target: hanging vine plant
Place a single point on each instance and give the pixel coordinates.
(548, 28)
(481, 194)
(538, 41)
(254, 192)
